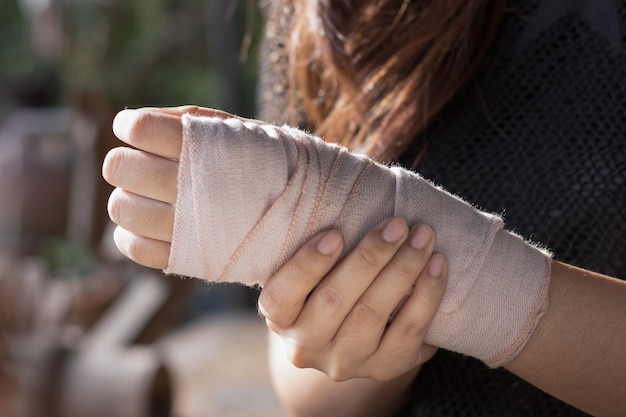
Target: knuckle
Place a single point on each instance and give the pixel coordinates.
(340, 372)
(271, 304)
(140, 125)
(300, 267)
(139, 249)
(298, 356)
(330, 298)
(364, 313)
(192, 110)
(111, 165)
(410, 330)
(134, 250)
(114, 206)
(335, 374)
(405, 267)
(426, 302)
(368, 256)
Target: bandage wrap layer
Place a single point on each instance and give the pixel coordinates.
(250, 195)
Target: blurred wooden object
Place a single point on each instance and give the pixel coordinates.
(47, 178)
(220, 367)
(64, 366)
(78, 346)
(121, 382)
(109, 376)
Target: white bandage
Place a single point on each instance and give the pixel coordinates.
(250, 195)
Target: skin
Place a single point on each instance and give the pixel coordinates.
(351, 339)
(328, 321)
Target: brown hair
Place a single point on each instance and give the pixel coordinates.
(371, 74)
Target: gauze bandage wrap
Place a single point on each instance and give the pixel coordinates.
(250, 195)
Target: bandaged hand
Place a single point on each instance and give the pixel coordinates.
(250, 194)
(142, 204)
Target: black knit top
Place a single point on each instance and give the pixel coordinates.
(540, 136)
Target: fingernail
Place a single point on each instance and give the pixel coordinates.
(421, 237)
(393, 231)
(435, 266)
(329, 244)
(123, 123)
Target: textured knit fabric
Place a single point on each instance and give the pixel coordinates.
(539, 135)
(237, 220)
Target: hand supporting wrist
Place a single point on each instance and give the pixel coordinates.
(250, 196)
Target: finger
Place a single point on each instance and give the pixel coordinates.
(335, 296)
(142, 250)
(142, 173)
(192, 110)
(389, 289)
(142, 216)
(284, 294)
(152, 131)
(200, 111)
(407, 331)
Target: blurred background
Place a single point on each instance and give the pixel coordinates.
(83, 332)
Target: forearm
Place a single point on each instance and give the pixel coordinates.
(310, 393)
(578, 351)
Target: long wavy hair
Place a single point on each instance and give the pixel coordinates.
(372, 74)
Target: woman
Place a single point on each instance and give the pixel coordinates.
(507, 139)
(520, 135)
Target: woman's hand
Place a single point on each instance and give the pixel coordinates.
(337, 320)
(338, 324)
(142, 205)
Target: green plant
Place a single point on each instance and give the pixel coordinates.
(139, 52)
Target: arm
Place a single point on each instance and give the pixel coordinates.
(309, 392)
(355, 341)
(578, 351)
